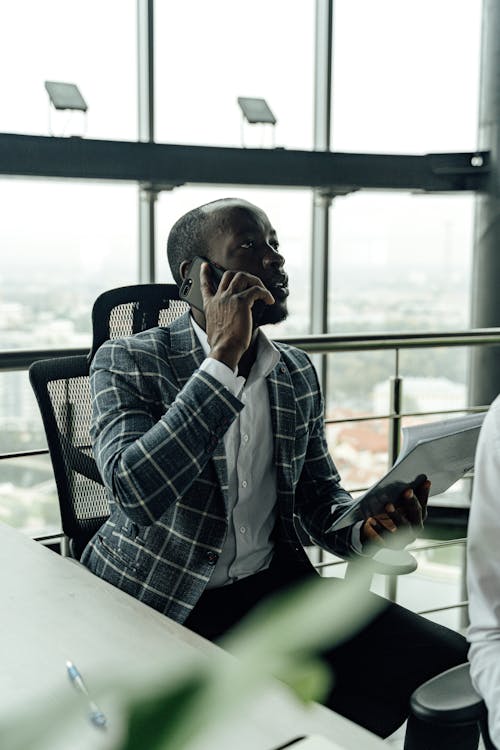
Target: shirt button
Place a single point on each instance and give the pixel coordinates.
(243, 529)
(244, 483)
(212, 557)
(245, 438)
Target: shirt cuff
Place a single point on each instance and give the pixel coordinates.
(223, 374)
(356, 537)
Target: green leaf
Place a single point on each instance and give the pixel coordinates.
(310, 681)
(165, 719)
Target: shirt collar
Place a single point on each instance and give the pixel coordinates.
(267, 357)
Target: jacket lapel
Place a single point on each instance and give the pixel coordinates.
(283, 414)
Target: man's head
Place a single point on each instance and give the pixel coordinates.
(237, 236)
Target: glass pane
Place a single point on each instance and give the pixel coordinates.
(436, 583)
(64, 243)
(28, 496)
(290, 212)
(435, 379)
(357, 383)
(400, 262)
(21, 426)
(406, 75)
(91, 44)
(208, 54)
(359, 451)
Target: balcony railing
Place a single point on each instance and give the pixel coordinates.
(320, 345)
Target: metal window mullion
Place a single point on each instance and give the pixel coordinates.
(145, 83)
(321, 201)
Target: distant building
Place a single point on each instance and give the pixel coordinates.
(422, 394)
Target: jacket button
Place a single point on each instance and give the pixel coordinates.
(212, 557)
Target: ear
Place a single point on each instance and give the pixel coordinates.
(183, 268)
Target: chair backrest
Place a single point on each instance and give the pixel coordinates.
(62, 389)
(131, 309)
(61, 386)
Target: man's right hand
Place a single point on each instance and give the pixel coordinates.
(228, 312)
(405, 519)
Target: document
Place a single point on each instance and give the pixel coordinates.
(441, 451)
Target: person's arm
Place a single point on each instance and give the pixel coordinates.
(321, 500)
(149, 457)
(319, 497)
(483, 570)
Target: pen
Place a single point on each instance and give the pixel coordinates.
(96, 716)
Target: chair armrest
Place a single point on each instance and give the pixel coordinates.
(392, 562)
(449, 698)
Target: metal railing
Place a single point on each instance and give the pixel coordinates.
(326, 344)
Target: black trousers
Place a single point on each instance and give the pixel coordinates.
(375, 672)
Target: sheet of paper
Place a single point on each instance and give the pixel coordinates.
(441, 451)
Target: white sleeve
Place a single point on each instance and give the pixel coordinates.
(483, 572)
(223, 374)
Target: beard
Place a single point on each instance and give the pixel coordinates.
(269, 314)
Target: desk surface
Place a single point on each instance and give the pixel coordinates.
(54, 610)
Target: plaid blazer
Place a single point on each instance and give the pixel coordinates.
(157, 429)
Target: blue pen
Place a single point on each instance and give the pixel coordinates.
(96, 716)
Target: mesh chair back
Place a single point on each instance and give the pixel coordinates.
(62, 389)
(61, 386)
(131, 309)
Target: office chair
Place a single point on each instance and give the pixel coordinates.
(62, 389)
(449, 699)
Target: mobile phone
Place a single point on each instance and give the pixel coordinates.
(190, 289)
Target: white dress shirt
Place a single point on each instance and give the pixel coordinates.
(483, 570)
(249, 448)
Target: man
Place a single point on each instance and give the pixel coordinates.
(211, 441)
(483, 569)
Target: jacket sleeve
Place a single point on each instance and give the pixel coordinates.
(320, 499)
(483, 570)
(150, 453)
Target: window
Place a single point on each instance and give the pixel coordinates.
(66, 242)
(406, 75)
(400, 262)
(92, 44)
(208, 54)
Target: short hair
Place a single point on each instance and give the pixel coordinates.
(185, 240)
(190, 234)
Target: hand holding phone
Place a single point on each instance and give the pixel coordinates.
(228, 307)
(190, 289)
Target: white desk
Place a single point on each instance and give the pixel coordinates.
(53, 609)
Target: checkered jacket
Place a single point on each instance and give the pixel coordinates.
(158, 424)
